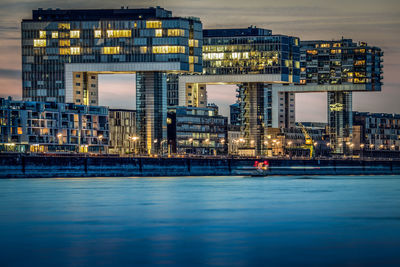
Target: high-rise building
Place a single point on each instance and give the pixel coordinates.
(63, 51)
(340, 67)
(234, 113)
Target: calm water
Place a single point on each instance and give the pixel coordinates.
(352, 220)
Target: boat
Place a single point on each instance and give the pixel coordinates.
(261, 168)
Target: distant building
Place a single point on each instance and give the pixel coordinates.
(376, 131)
(214, 107)
(123, 138)
(234, 114)
(234, 136)
(52, 127)
(196, 131)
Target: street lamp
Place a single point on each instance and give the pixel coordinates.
(100, 137)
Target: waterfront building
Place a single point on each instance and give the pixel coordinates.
(234, 139)
(375, 132)
(28, 126)
(63, 51)
(340, 66)
(123, 136)
(196, 131)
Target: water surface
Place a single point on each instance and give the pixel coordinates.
(233, 221)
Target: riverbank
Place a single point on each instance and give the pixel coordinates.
(22, 166)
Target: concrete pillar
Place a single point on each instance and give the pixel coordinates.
(340, 121)
(196, 95)
(151, 105)
(85, 88)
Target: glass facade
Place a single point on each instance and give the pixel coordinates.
(250, 51)
(341, 62)
(53, 38)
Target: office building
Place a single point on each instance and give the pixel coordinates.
(196, 131)
(123, 136)
(234, 113)
(27, 126)
(63, 51)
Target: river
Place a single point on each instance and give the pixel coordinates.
(231, 221)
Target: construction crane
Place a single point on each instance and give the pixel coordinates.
(309, 144)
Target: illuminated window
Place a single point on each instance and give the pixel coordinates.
(74, 34)
(19, 130)
(158, 32)
(359, 74)
(336, 51)
(360, 51)
(54, 35)
(337, 45)
(359, 63)
(325, 45)
(63, 26)
(153, 24)
(312, 52)
(118, 33)
(64, 43)
(39, 43)
(350, 74)
(143, 49)
(111, 50)
(193, 43)
(359, 80)
(176, 32)
(75, 50)
(42, 34)
(168, 49)
(65, 51)
(97, 33)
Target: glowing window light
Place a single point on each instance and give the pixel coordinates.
(65, 51)
(39, 43)
(176, 32)
(75, 50)
(54, 35)
(165, 49)
(75, 34)
(64, 26)
(64, 43)
(159, 32)
(118, 33)
(42, 34)
(97, 33)
(109, 50)
(195, 43)
(143, 49)
(153, 24)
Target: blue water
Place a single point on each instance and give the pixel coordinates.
(232, 221)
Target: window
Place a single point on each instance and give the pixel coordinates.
(168, 49)
(159, 32)
(78, 84)
(118, 33)
(75, 34)
(54, 35)
(42, 34)
(97, 33)
(39, 43)
(153, 24)
(77, 75)
(93, 77)
(64, 43)
(111, 50)
(143, 49)
(176, 32)
(75, 50)
(93, 101)
(78, 101)
(193, 43)
(78, 92)
(93, 85)
(63, 26)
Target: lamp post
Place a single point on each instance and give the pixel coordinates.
(100, 137)
(191, 145)
(60, 138)
(362, 150)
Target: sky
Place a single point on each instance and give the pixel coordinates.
(372, 21)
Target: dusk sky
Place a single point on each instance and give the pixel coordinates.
(376, 22)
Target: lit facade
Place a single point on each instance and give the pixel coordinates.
(342, 66)
(52, 127)
(63, 51)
